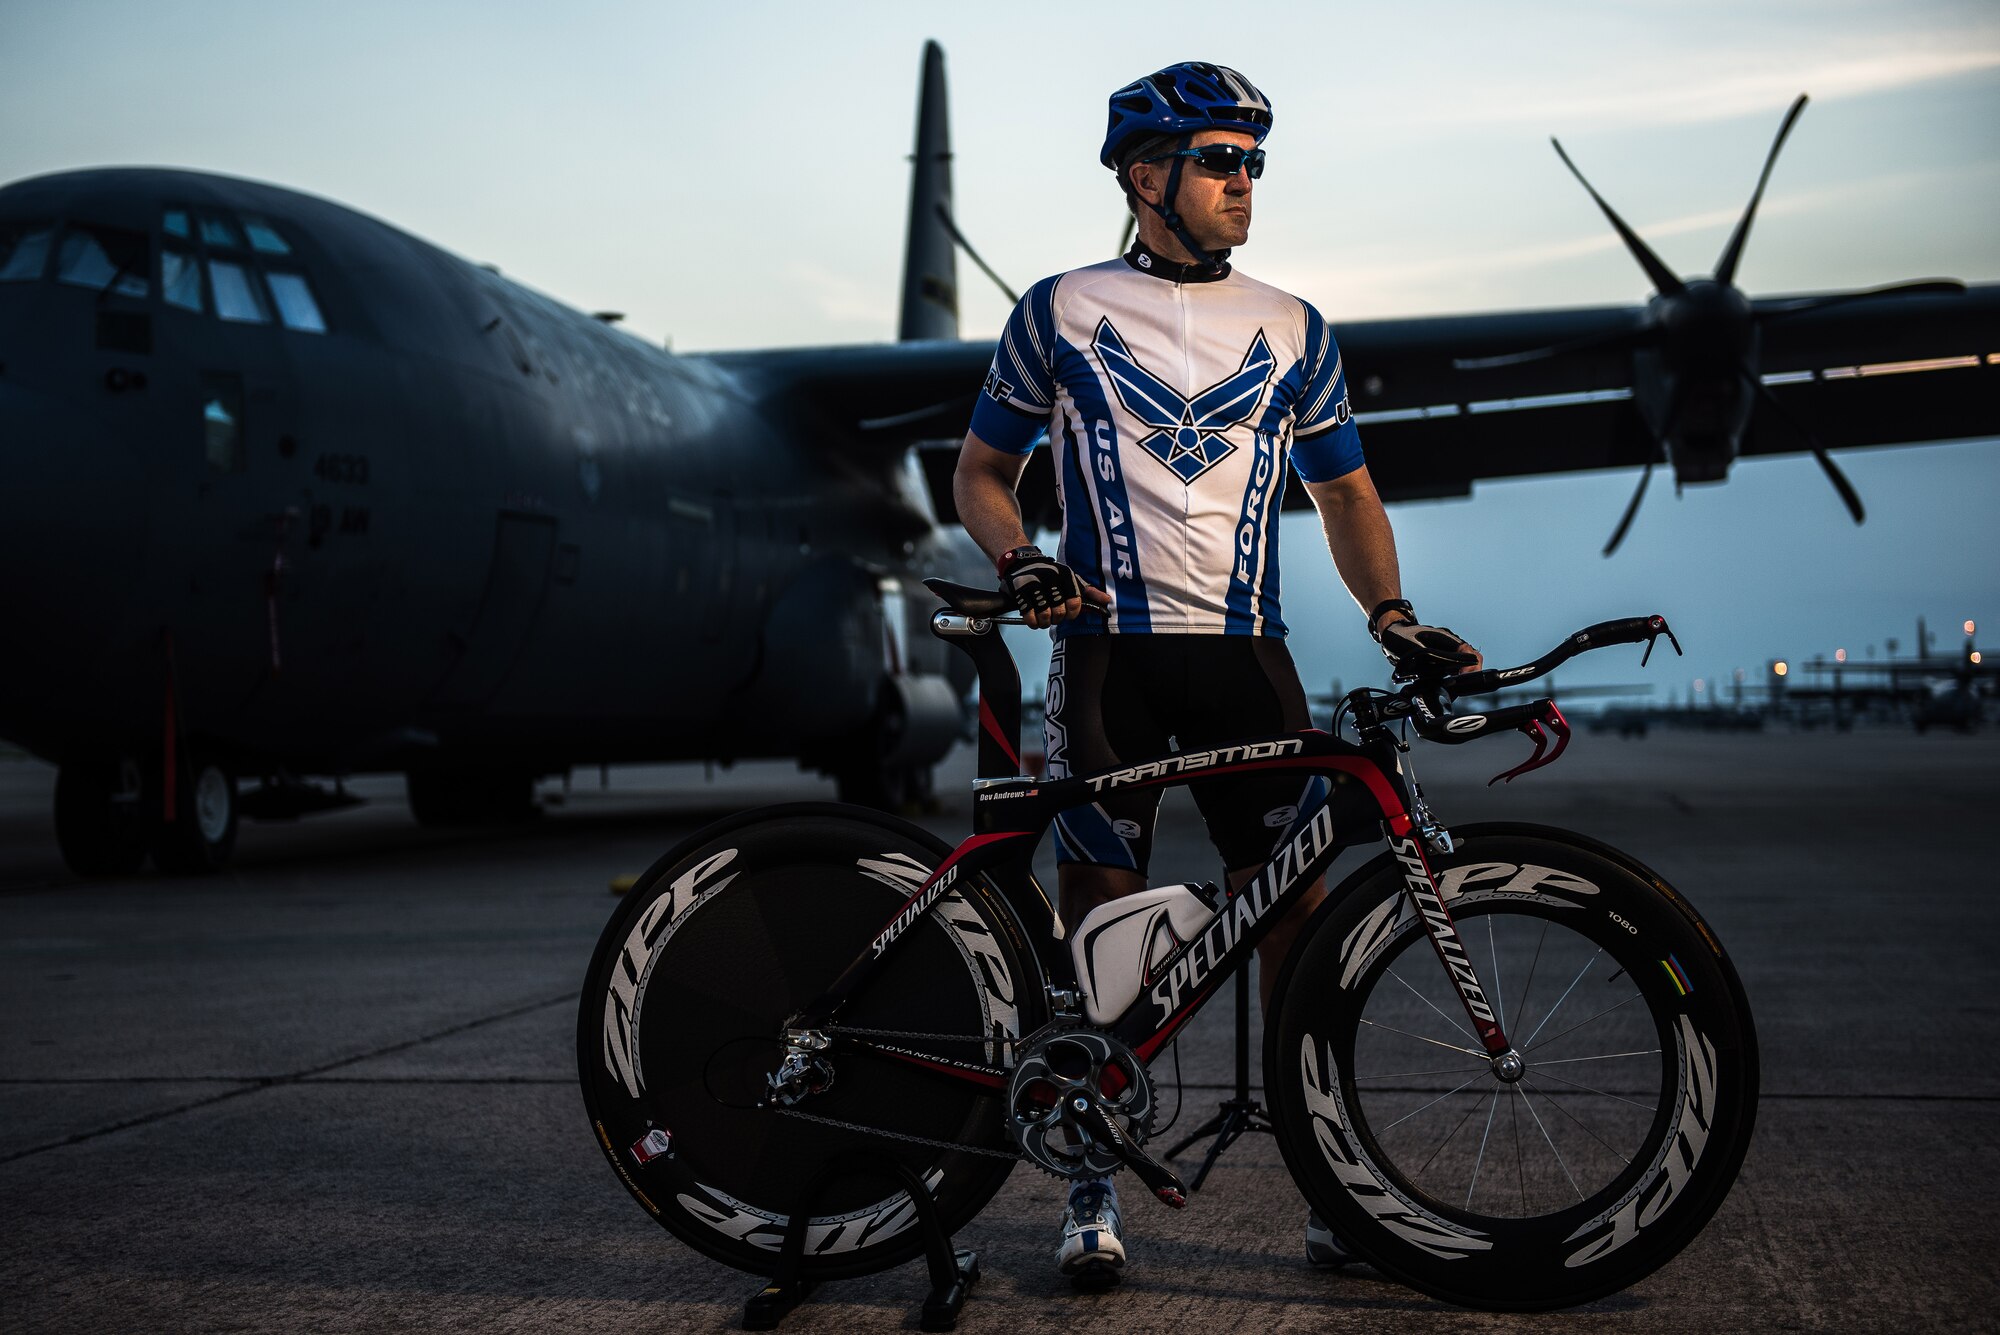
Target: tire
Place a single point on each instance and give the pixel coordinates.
(101, 817)
(708, 955)
(202, 836)
(1612, 1150)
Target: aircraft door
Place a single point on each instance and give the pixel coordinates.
(517, 584)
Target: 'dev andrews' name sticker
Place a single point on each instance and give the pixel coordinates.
(655, 1143)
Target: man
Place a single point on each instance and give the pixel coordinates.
(1174, 391)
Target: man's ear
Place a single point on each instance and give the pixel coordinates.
(1146, 183)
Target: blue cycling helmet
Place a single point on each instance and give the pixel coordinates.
(1180, 99)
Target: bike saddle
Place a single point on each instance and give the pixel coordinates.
(968, 601)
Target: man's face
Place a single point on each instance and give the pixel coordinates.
(1216, 208)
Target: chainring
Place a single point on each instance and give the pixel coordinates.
(1065, 1056)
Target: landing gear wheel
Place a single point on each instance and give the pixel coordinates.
(101, 816)
(682, 1023)
(1571, 1166)
(1063, 1060)
(202, 835)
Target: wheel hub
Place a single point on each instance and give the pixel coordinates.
(1510, 1066)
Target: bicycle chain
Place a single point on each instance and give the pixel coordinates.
(933, 1142)
(929, 1038)
(913, 1139)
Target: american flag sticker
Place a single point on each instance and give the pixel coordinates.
(655, 1143)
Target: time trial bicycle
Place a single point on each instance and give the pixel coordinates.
(1510, 1065)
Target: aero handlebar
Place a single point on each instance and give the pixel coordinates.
(1625, 630)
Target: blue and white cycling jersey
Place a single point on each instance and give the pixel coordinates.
(1173, 408)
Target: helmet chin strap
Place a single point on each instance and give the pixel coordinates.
(1170, 215)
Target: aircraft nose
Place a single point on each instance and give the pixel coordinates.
(73, 535)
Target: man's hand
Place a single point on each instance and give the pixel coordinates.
(1415, 650)
(1046, 590)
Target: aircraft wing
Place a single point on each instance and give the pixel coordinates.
(1888, 370)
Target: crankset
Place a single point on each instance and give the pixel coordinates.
(1081, 1104)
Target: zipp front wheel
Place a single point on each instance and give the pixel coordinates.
(682, 1020)
(1544, 1182)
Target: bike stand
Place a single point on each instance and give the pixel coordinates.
(1237, 1115)
(953, 1273)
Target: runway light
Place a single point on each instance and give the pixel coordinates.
(1975, 658)
(1697, 685)
(1840, 655)
(1779, 669)
(1968, 628)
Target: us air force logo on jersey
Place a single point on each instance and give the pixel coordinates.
(999, 389)
(1187, 433)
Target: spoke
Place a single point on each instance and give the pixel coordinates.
(1520, 1160)
(1528, 1103)
(1404, 1075)
(1521, 1016)
(1480, 1158)
(1499, 1003)
(1600, 1093)
(1586, 1130)
(1449, 1047)
(1432, 1004)
(1602, 1057)
(1414, 1111)
(1564, 997)
(1449, 1136)
(1579, 1024)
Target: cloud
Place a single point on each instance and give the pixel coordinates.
(1675, 100)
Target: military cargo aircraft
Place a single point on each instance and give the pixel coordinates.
(294, 495)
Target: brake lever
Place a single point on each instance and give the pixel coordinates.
(1658, 626)
(1558, 725)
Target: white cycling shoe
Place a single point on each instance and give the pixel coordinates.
(1322, 1247)
(1092, 1253)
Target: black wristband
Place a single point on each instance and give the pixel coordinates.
(1388, 605)
(1008, 558)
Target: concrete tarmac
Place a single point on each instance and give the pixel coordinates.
(334, 1087)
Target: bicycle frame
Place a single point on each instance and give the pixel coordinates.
(1011, 812)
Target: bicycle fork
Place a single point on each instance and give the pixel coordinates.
(1421, 885)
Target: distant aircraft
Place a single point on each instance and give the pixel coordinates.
(293, 494)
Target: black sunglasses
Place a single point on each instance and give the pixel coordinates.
(1222, 159)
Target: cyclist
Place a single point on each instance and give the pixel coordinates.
(1174, 391)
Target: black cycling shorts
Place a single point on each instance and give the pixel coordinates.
(1120, 699)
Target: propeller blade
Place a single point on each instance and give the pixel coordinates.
(1613, 342)
(1725, 268)
(944, 216)
(1664, 279)
(1631, 509)
(1125, 235)
(1924, 286)
(1819, 454)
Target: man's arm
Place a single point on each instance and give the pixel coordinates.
(1358, 534)
(983, 488)
(1363, 545)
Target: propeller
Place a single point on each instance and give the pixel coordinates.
(1689, 323)
(1819, 454)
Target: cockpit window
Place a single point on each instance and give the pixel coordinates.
(24, 251)
(264, 238)
(104, 257)
(180, 279)
(175, 223)
(296, 306)
(220, 232)
(236, 294)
